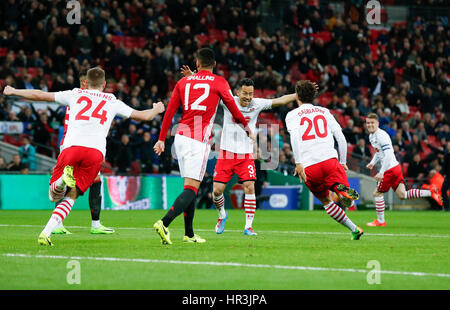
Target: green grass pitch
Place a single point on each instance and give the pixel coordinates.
(294, 250)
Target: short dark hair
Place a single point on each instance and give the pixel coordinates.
(206, 57)
(246, 82)
(95, 77)
(306, 91)
(82, 74)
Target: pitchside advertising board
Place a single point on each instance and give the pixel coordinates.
(30, 192)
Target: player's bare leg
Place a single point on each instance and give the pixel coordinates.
(339, 215)
(250, 207)
(219, 203)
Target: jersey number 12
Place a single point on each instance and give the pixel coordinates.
(196, 104)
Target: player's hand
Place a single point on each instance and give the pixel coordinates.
(186, 71)
(300, 171)
(369, 166)
(252, 137)
(345, 167)
(8, 91)
(159, 107)
(159, 147)
(378, 177)
(316, 86)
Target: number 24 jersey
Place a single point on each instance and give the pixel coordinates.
(90, 117)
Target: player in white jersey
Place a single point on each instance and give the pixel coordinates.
(95, 195)
(312, 129)
(390, 174)
(91, 114)
(236, 153)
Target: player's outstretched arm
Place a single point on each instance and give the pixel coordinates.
(283, 100)
(148, 115)
(30, 94)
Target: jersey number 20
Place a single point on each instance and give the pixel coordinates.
(314, 123)
(81, 115)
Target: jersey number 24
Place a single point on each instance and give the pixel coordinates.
(96, 113)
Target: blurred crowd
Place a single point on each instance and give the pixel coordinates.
(402, 73)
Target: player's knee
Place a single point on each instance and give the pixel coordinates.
(249, 188)
(378, 194)
(217, 191)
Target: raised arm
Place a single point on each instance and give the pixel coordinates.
(30, 94)
(283, 100)
(149, 114)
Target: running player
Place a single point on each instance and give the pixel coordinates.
(90, 117)
(199, 96)
(312, 129)
(390, 174)
(95, 195)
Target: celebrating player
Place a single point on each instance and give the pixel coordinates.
(236, 151)
(90, 117)
(95, 195)
(199, 96)
(312, 129)
(390, 174)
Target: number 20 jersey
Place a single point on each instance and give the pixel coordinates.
(90, 117)
(311, 129)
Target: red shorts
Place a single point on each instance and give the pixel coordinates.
(86, 163)
(230, 163)
(391, 179)
(322, 176)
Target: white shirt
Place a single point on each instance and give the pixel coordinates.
(312, 129)
(234, 139)
(382, 143)
(90, 117)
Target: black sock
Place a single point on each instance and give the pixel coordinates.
(180, 205)
(95, 200)
(189, 219)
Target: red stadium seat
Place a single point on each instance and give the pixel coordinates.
(202, 39)
(33, 72)
(405, 168)
(3, 51)
(269, 93)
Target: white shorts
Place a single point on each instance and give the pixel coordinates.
(192, 157)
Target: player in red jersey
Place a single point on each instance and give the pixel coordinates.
(312, 131)
(199, 96)
(95, 195)
(91, 114)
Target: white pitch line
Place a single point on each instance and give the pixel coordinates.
(226, 264)
(263, 231)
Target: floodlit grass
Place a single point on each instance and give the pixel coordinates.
(293, 250)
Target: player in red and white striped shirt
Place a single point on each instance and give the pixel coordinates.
(198, 95)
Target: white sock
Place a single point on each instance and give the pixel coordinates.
(54, 221)
(339, 215)
(219, 203)
(96, 224)
(417, 193)
(380, 206)
(250, 208)
(57, 190)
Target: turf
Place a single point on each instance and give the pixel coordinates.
(414, 245)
